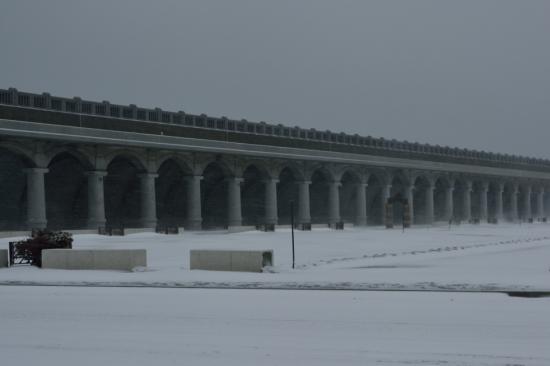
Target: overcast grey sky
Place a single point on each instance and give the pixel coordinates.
(468, 73)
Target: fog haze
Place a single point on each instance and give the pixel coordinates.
(467, 73)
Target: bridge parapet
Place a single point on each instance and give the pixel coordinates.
(327, 139)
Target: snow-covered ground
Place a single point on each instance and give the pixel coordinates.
(57, 326)
(465, 257)
(177, 326)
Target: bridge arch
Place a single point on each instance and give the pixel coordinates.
(375, 202)
(13, 180)
(321, 177)
(171, 191)
(66, 188)
(254, 194)
(214, 192)
(350, 180)
(122, 188)
(287, 191)
(421, 213)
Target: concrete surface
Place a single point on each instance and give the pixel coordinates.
(231, 260)
(118, 259)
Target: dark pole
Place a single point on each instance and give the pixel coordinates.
(292, 231)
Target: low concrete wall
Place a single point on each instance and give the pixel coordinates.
(117, 259)
(4, 258)
(231, 260)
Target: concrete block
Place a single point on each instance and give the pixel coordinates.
(116, 259)
(4, 258)
(231, 260)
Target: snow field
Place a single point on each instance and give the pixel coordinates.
(465, 257)
(123, 326)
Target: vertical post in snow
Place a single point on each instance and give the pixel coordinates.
(292, 231)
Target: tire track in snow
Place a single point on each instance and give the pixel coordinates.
(425, 251)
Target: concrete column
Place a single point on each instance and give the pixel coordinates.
(96, 199)
(304, 215)
(148, 200)
(36, 198)
(193, 221)
(499, 214)
(234, 213)
(409, 195)
(527, 203)
(514, 203)
(540, 203)
(334, 202)
(271, 201)
(467, 209)
(361, 209)
(386, 193)
(430, 204)
(483, 208)
(449, 209)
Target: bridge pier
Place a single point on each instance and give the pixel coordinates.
(514, 203)
(386, 194)
(234, 210)
(483, 214)
(96, 199)
(467, 203)
(540, 203)
(148, 200)
(304, 214)
(334, 202)
(271, 217)
(361, 210)
(527, 213)
(36, 198)
(429, 216)
(499, 214)
(449, 203)
(193, 193)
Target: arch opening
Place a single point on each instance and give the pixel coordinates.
(122, 193)
(13, 195)
(287, 191)
(348, 197)
(214, 196)
(421, 185)
(398, 196)
(374, 201)
(318, 194)
(253, 196)
(440, 200)
(66, 188)
(171, 198)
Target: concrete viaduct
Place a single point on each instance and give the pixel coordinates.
(68, 163)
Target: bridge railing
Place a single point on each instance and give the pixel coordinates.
(14, 97)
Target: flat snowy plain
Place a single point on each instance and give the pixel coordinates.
(53, 325)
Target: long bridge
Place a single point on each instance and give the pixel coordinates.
(71, 163)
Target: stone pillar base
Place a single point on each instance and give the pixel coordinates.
(234, 223)
(193, 224)
(361, 221)
(36, 224)
(94, 224)
(272, 221)
(149, 224)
